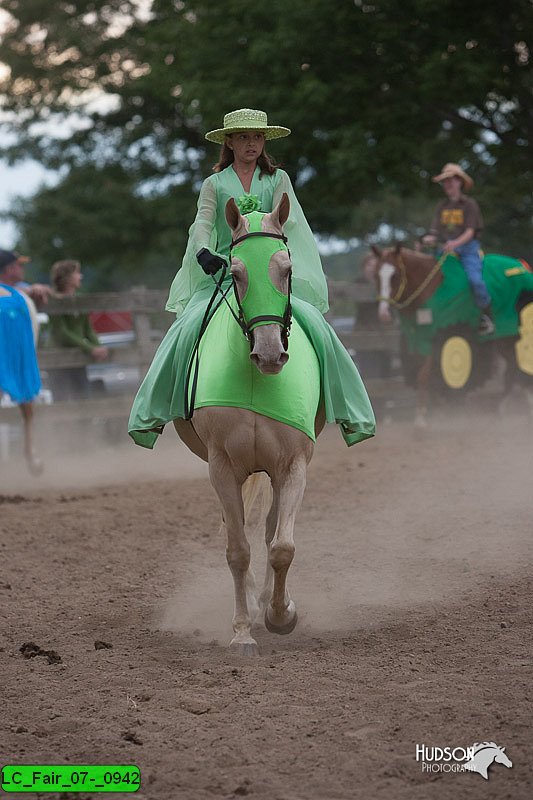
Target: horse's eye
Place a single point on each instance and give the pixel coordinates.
(237, 272)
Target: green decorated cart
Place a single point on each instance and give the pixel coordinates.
(446, 324)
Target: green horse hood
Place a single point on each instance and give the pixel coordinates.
(262, 298)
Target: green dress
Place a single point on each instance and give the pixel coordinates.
(161, 395)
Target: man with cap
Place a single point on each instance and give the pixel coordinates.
(12, 267)
(456, 226)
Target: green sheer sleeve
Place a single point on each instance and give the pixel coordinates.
(202, 233)
(308, 279)
(309, 282)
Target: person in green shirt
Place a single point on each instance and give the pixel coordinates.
(71, 330)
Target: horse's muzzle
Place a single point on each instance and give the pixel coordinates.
(269, 366)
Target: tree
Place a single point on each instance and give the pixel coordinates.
(378, 95)
(97, 216)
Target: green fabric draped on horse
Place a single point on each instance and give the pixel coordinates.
(254, 403)
(438, 317)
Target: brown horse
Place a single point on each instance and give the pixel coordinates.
(405, 280)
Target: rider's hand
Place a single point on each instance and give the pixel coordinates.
(449, 246)
(210, 262)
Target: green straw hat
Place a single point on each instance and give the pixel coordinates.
(246, 119)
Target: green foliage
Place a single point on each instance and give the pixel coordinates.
(96, 216)
(378, 96)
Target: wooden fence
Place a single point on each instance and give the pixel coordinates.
(369, 344)
(150, 321)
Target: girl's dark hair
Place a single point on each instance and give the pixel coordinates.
(267, 165)
(61, 272)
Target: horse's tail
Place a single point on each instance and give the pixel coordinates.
(257, 487)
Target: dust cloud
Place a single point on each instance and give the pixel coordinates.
(93, 453)
(396, 522)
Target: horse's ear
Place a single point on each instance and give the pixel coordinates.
(502, 749)
(233, 215)
(282, 210)
(376, 250)
(397, 248)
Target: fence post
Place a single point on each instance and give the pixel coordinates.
(142, 327)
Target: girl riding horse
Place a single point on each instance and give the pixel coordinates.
(252, 403)
(247, 174)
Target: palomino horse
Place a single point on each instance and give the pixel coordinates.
(18, 333)
(237, 442)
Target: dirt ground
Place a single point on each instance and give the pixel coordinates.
(412, 579)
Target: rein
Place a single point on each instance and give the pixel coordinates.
(246, 327)
(394, 301)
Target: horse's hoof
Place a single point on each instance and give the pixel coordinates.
(35, 466)
(247, 649)
(286, 627)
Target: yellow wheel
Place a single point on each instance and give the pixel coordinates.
(456, 362)
(524, 346)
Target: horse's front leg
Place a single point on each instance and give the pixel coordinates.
(270, 530)
(422, 394)
(228, 488)
(280, 614)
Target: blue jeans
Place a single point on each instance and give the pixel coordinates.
(472, 264)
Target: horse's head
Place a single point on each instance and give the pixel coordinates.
(484, 754)
(382, 266)
(405, 278)
(503, 758)
(261, 270)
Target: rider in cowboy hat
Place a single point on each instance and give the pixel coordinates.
(456, 226)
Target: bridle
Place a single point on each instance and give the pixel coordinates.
(247, 327)
(395, 301)
(285, 321)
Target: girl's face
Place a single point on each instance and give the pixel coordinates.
(247, 146)
(75, 279)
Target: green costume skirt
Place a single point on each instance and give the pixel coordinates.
(227, 376)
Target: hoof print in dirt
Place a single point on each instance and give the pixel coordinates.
(100, 645)
(30, 650)
(242, 789)
(194, 706)
(130, 736)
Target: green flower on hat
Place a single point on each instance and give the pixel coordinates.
(248, 203)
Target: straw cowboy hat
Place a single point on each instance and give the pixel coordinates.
(246, 119)
(449, 170)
